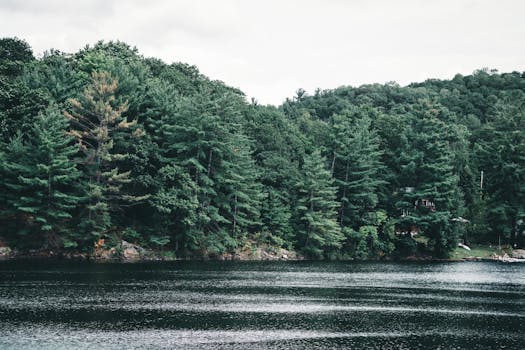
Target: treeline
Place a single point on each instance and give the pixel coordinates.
(105, 143)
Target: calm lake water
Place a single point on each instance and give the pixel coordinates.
(261, 305)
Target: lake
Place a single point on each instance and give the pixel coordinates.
(261, 305)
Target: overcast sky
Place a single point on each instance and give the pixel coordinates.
(270, 48)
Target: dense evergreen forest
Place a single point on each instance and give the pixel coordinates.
(105, 143)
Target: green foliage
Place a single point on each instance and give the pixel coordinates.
(427, 169)
(69, 244)
(501, 153)
(18, 102)
(356, 166)
(41, 181)
(162, 156)
(131, 235)
(320, 234)
(14, 54)
(159, 240)
(373, 240)
(97, 120)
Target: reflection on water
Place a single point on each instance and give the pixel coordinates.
(263, 305)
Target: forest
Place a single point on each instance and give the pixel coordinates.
(108, 144)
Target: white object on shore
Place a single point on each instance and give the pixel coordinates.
(511, 260)
(461, 220)
(461, 245)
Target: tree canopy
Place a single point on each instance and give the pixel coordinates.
(107, 144)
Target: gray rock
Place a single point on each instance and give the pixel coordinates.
(130, 254)
(518, 253)
(107, 254)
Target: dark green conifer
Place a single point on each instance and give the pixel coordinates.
(320, 235)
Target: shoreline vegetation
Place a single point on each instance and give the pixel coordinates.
(107, 155)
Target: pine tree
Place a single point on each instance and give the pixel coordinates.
(276, 217)
(429, 197)
(193, 138)
(175, 203)
(96, 121)
(501, 152)
(278, 149)
(320, 235)
(52, 177)
(240, 190)
(357, 169)
(44, 177)
(12, 166)
(202, 135)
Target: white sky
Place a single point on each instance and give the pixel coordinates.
(270, 48)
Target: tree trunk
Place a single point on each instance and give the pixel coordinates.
(209, 162)
(308, 230)
(234, 215)
(344, 193)
(197, 170)
(333, 164)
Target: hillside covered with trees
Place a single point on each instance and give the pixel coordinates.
(107, 144)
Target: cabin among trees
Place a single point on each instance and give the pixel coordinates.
(420, 203)
(425, 203)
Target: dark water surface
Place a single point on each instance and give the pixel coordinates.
(261, 305)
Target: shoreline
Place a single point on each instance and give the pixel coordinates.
(162, 259)
(126, 252)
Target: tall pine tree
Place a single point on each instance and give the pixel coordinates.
(357, 167)
(45, 178)
(320, 233)
(97, 118)
(501, 153)
(429, 198)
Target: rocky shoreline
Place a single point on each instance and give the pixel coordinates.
(129, 252)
